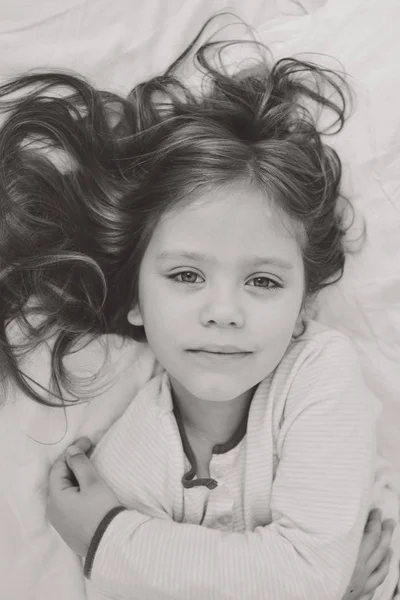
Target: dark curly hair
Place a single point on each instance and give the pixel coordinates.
(86, 175)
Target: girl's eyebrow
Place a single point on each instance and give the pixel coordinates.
(249, 261)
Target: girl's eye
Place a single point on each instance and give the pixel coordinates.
(186, 277)
(264, 282)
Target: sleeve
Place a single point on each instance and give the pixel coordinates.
(320, 500)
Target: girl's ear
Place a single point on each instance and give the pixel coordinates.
(298, 329)
(135, 316)
(299, 326)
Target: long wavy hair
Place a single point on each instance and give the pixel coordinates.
(86, 175)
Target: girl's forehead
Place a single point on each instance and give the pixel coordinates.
(237, 217)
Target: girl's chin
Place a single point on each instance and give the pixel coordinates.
(213, 393)
(212, 387)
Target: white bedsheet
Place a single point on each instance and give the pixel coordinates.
(117, 43)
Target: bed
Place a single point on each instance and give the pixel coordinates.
(115, 44)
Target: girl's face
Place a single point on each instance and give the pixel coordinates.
(220, 291)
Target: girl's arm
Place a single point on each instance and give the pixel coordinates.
(373, 559)
(319, 504)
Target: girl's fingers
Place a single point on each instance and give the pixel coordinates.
(81, 467)
(84, 444)
(372, 534)
(379, 575)
(60, 476)
(379, 554)
(374, 519)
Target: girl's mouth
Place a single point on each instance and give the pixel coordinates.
(219, 356)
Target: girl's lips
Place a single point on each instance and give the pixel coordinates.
(221, 349)
(220, 352)
(217, 357)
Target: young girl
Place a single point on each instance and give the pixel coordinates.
(199, 224)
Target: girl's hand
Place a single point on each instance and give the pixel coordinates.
(373, 560)
(78, 497)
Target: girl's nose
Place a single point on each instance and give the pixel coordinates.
(222, 308)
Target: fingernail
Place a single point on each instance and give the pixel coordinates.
(73, 450)
(83, 440)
